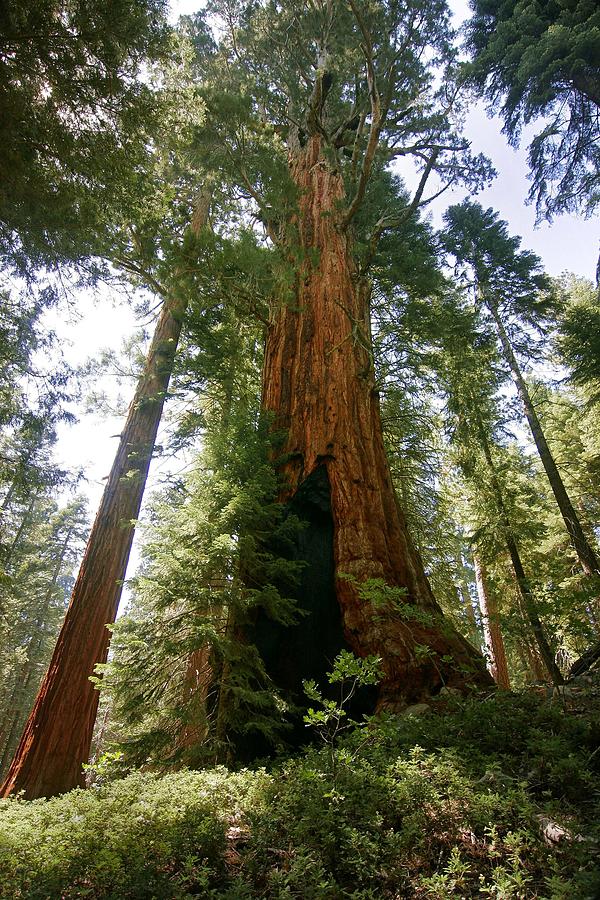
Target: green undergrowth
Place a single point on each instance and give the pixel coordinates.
(494, 798)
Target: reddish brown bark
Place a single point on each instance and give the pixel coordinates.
(26, 673)
(492, 632)
(57, 736)
(196, 686)
(319, 385)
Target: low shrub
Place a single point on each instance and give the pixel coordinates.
(494, 798)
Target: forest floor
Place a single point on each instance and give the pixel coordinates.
(490, 797)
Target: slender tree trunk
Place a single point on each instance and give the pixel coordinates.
(491, 627)
(10, 720)
(57, 736)
(319, 385)
(26, 672)
(97, 744)
(531, 611)
(8, 744)
(473, 618)
(585, 552)
(526, 593)
(13, 486)
(20, 531)
(532, 661)
(464, 599)
(54, 579)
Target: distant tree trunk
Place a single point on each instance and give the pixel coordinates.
(526, 593)
(319, 385)
(11, 732)
(474, 623)
(14, 484)
(532, 661)
(23, 525)
(464, 598)
(18, 702)
(58, 734)
(491, 627)
(96, 746)
(197, 683)
(585, 552)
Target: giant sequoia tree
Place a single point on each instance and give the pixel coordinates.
(57, 736)
(308, 104)
(306, 107)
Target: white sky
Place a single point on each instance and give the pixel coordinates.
(568, 244)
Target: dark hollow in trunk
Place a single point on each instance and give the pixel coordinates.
(306, 650)
(319, 386)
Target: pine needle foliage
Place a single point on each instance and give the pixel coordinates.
(540, 62)
(579, 336)
(74, 122)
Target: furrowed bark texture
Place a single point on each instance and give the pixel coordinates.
(57, 736)
(491, 627)
(197, 683)
(319, 385)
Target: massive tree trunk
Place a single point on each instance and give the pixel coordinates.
(319, 384)
(57, 736)
(583, 548)
(491, 627)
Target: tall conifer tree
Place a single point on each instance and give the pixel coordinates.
(539, 61)
(58, 734)
(307, 105)
(511, 289)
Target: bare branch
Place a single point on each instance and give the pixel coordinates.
(137, 269)
(385, 223)
(377, 118)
